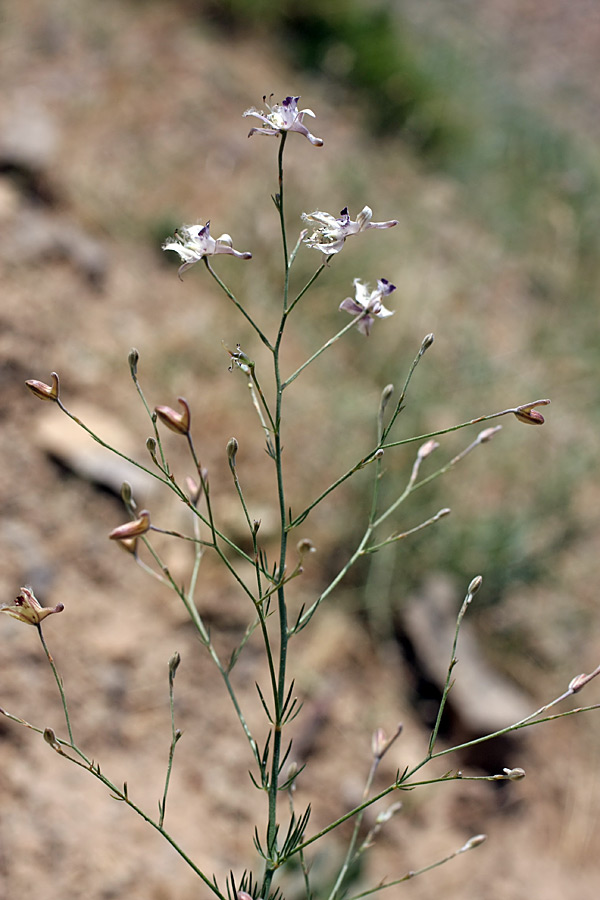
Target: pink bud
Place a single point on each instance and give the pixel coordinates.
(44, 391)
(132, 529)
(177, 422)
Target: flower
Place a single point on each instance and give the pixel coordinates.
(26, 608)
(367, 304)
(330, 233)
(284, 117)
(193, 242)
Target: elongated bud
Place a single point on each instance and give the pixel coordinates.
(427, 449)
(528, 413)
(473, 842)
(174, 665)
(132, 529)
(378, 743)
(387, 814)
(151, 447)
(578, 682)
(427, 342)
(232, 449)
(133, 360)
(44, 391)
(514, 774)
(177, 422)
(385, 396)
(127, 496)
(475, 585)
(194, 490)
(488, 433)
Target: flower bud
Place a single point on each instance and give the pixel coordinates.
(44, 391)
(127, 496)
(194, 490)
(386, 396)
(487, 434)
(50, 738)
(427, 449)
(514, 774)
(473, 842)
(304, 547)
(177, 422)
(133, 360)
(379, 743)
(578, 682)
(475, 585)
(132, 529)
(387, 814)
(427, 342)
(174, 665)
(232, 449)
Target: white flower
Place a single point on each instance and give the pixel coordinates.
(283, 117)
(367, 304)
(330, 233)
(194, 242)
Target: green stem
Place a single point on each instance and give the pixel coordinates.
(237, 304)
(175, 735)
(309, 283)
(371, 455)
(280, 686)
(401, 783)
(61, 691)
(325, 346)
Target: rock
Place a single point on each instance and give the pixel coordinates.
(74, 449)
(483, 699)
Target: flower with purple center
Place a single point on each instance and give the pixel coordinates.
(283, 117)
(193, 242)
(367, 305)
(330, 233)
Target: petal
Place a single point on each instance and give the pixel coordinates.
(389, 224)
(253, 111)
(364, 325)
(385, 287)
(348, 305)
(364, 217)
(270, 131)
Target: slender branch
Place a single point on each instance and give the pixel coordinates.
(237, 304)
(325, 346)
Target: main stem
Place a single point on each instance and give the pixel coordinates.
(280, 692)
